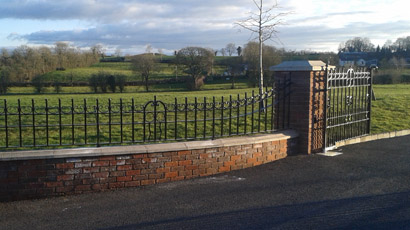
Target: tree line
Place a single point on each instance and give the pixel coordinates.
(358, 44)
(198, 64)
(391, 54)
(25, 63)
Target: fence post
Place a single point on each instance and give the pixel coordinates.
(306, 112)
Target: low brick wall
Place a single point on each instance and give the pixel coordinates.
(47, 173)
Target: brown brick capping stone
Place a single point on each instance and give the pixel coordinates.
(48, 173)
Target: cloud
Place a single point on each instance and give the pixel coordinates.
(139, 34)
(108, 11)
(15, 37)
(174, 24)
(321, 38)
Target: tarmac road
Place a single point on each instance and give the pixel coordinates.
(367, 187)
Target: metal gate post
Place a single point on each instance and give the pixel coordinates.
(369, 109)
(325, 108)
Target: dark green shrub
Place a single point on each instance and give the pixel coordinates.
(102, 81)
(405, 78)
(57, 86)
(120, 79)
(111, 83)
(382, 79)
(38, 83)
(93, 83)
(4, 81)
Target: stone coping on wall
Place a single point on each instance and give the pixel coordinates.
(147, 148)
(373, 137)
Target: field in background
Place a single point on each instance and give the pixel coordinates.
(164, 71)
(209, 85)
(392, 76)
(140, 97)
(391, 110)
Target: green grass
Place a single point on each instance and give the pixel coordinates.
(140, 97)
(391, 110)
(212, 85)
(164, 71)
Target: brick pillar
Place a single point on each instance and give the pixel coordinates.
(306, 102)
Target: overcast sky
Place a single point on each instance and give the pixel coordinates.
(173, 24)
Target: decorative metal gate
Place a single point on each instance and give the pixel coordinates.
(348, 105)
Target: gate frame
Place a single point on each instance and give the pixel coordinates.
(369, 97)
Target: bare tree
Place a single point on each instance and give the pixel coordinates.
(117, 52)
(223, 52)
(230, 48)
(148, 49)
(161, 53)
(144, 64)
(263, 22)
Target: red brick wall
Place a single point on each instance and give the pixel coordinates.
(26, 179)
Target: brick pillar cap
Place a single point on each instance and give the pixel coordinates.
(306, 65)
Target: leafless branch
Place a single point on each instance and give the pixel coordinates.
(263, 22)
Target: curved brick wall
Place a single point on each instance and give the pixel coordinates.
(36, 174)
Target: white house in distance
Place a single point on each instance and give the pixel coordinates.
(360, 59)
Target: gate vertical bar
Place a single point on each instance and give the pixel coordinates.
(5, 121)
(186, 118)
(47, 131)
(109, 121)
(175, 120)
(369, 97)
(155, 118)
(72, 122)
(238, 104)
(19, 113)
(33, 110)
(196, 116)
(97, 114)
(133, 119)
(324, 135)
(60, 125)
(222, 116)
(85, 121)
(253, 109)
(230, 115)
(246, 105)
(213, 117)
(121, 122)
(204, 117)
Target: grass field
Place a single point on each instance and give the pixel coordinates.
(163, 71)
(140, 97)
(391, 110)
(211, 85)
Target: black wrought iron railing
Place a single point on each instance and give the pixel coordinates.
(109, 122)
